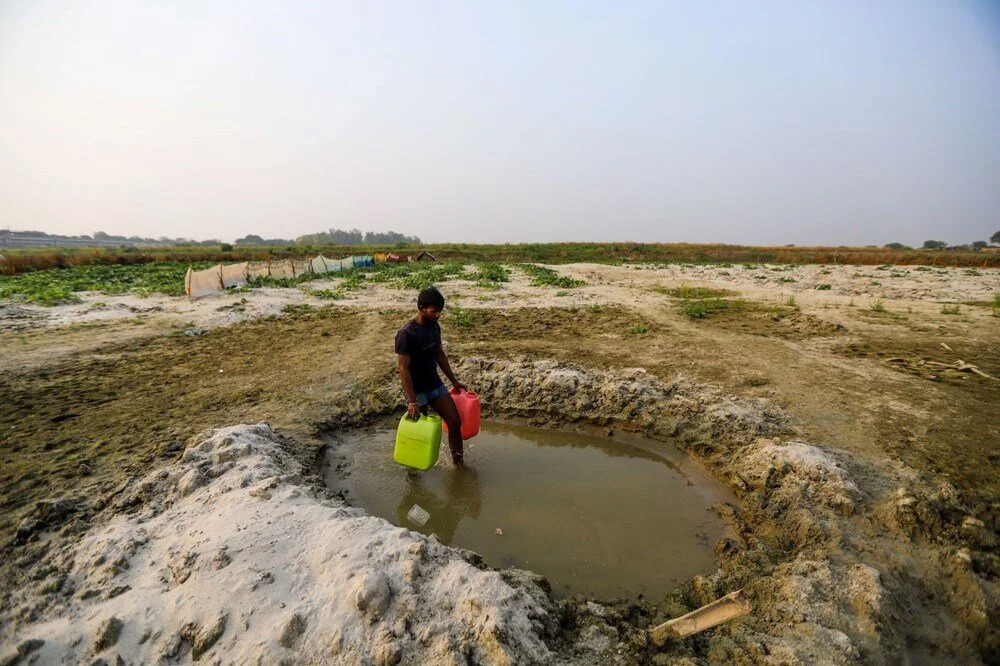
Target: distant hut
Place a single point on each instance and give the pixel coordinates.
(423, 256)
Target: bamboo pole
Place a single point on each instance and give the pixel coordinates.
(731, 606)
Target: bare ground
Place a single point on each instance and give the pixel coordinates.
(869, 499)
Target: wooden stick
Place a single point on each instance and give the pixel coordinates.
(962, 366)
(731, 606)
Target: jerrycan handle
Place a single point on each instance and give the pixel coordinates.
(455, 391)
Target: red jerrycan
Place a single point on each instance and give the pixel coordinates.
(468, 408)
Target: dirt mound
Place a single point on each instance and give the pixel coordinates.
(15, 318)
(234, 550)
(556, 393)
(780, 322)
(233, 556)
(805, 551)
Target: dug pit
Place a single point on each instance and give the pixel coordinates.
(598, 515)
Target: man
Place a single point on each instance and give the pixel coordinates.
(418, 354)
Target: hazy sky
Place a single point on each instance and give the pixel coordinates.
(753, 122)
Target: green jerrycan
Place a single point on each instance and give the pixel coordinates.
(417, 442)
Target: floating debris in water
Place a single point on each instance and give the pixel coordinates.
(418, 516)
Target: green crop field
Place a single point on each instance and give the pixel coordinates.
(54, 286)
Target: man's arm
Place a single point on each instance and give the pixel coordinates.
(412, 408)
(442, 360)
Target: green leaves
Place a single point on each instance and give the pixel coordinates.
(59, 285)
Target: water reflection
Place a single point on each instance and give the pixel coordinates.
(596, 515)
(463, 496)
(634, 445)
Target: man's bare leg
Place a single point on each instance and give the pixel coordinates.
(446, 408)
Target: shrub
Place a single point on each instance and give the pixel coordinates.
(704, 308)
(688, 292)
(57, 285)
(460, 316)
(491, 275)
(542, 276)
(331, 294)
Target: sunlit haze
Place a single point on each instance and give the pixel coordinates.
(753, 122)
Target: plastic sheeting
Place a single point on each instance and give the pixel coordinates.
(217, 278)
(203, 283)
(282, 269)
(235, 275)
(258, 269)
(319, 264)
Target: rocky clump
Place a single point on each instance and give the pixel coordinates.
(556, 392)
(107, 634)
(47, 515)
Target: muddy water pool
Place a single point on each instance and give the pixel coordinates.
(606, 517)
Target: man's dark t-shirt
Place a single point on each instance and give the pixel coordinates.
(421, 344)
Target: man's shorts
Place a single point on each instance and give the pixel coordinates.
(428, 397)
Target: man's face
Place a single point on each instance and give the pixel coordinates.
(432, 313)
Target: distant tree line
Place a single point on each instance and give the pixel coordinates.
(336, 237)
(941, 245)
(162, 240)
(357, 237)
(252, 239)
(99, 239)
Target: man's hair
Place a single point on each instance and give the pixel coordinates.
(430, 298)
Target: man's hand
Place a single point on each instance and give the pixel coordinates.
(413, 411)
(459, 386)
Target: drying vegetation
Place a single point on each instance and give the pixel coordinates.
(706, 307)
(460, 316)
(688, 292)
(703, 302)
(22, 260)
